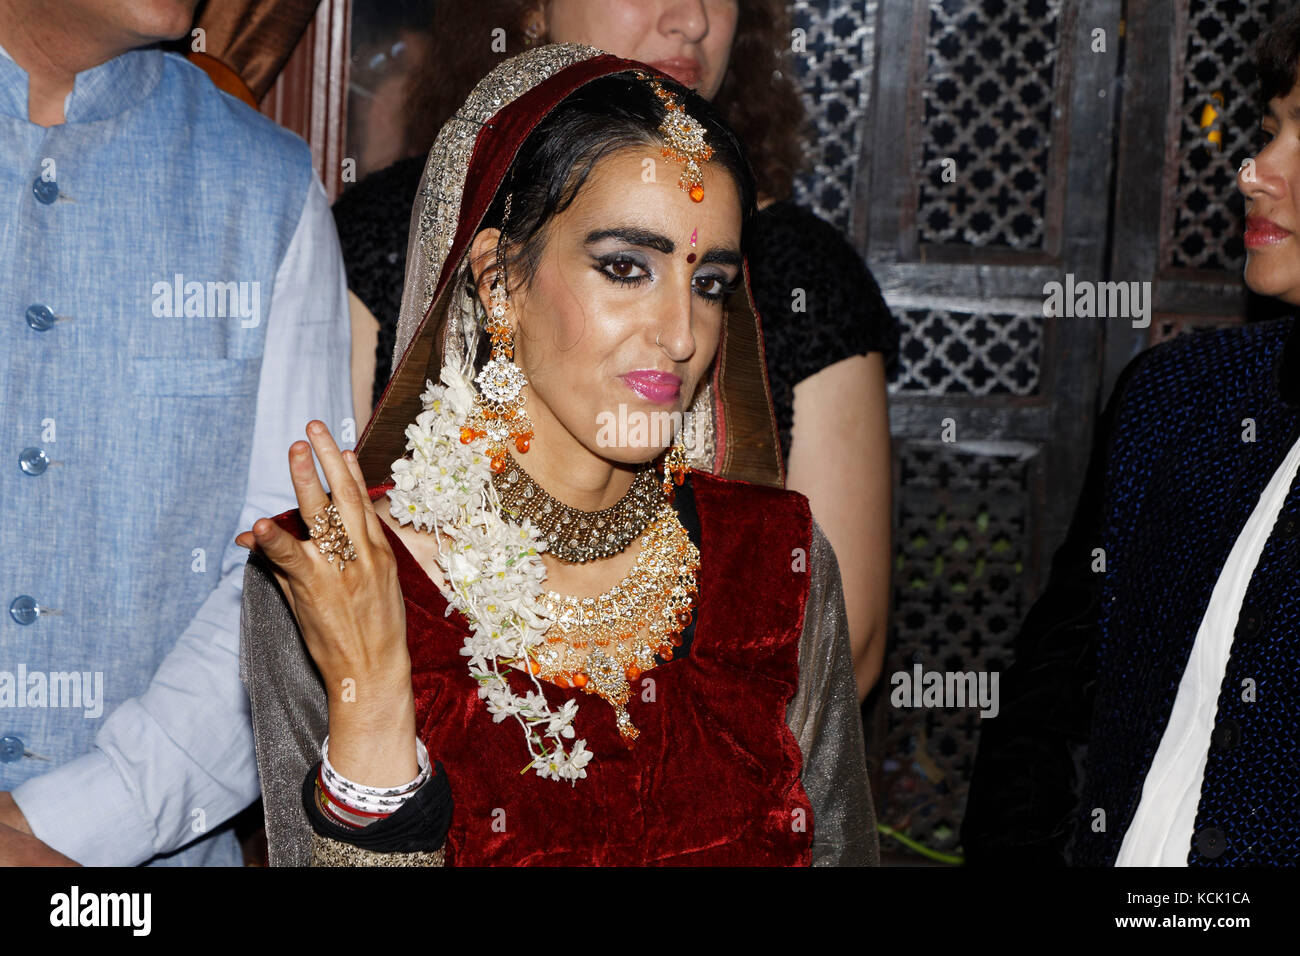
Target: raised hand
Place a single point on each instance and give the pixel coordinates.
(352, 620)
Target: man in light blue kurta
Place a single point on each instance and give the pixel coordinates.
(172, 314)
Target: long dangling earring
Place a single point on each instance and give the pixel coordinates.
(676, 463)
(676, 466)
(499, 413)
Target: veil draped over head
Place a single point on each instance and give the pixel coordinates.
(734, 425)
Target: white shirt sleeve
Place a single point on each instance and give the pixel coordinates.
(178, 760)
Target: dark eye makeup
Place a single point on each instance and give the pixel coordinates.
(626, 268)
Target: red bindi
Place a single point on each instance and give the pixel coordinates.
(690, 257)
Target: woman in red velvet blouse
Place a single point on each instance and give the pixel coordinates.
(520, 630)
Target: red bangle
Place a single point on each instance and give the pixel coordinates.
(328, 801)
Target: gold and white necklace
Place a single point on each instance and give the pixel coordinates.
(596, 642)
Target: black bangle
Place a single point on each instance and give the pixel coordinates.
(419, 825)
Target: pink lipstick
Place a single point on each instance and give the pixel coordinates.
(1263, 232)
(662, 388)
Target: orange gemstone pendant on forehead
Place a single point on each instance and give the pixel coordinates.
(683, 140)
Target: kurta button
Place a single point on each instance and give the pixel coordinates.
(33, 461)
(45, 191)
(24, 609)
(1211, 843)
(40, 318)
(11, 748)
(1226, 735)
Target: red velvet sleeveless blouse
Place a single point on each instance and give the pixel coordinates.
(714, 777)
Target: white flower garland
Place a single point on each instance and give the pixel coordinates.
(492, 566)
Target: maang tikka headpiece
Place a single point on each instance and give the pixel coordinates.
(683, 139)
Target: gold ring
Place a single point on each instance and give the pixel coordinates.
(331, 537)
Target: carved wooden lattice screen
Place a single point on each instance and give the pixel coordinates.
(989, 176)
(1066, 159)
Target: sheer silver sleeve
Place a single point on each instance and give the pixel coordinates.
(825, 718)
(289, 708)
(290, 718)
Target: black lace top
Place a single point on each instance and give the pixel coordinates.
(818, 299)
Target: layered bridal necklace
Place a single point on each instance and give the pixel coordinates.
(596, 643)
(489, 553)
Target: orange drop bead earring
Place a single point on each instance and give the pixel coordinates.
(676, 467)
(499, 414)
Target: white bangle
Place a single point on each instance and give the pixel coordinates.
(372, 799)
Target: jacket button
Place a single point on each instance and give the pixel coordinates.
(1226, 735)
(11, 748)
(24, 609)
(1211, 843)
(33, 461)
(45, 191)
(1288, 527)
(40, 318)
